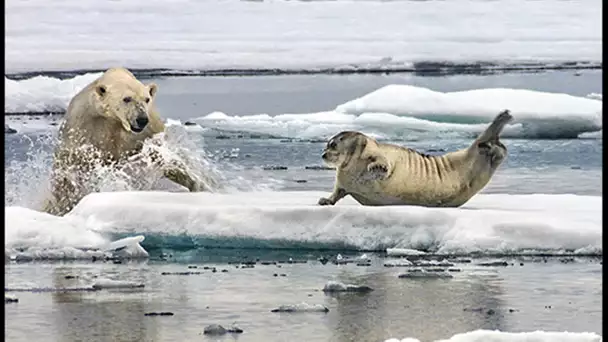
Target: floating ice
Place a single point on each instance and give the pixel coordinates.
(426, 274)
(127, 248)
(391, 112)
(26, 227)
(51, 289)
(237, 34)
(43, 94)
(21, 124)
(216, 329)
(33, 235)
(334, 286)
(493, 263)
(10, 298)
(9, 130)
(417, 263)
(535, 113)
(404, 111)
(57, 253)
(302, 307)
(398, 252)
(499, 336)
(116, 284)
(489, 223)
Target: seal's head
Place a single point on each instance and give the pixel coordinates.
(342, 147)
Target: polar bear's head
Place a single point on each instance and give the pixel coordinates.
(120, 96)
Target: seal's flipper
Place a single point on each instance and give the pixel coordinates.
(337, 195)
(377, 170)
(493, 131)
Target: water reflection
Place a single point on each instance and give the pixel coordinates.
(111, 315)
(431, 309)
(428, 309)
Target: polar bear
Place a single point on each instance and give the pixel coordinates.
(106, 123)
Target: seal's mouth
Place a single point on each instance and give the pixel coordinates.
(328, 158)
(136, 129)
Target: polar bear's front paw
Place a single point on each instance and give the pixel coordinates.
(377, 170)
(196, 187)
(325, 201)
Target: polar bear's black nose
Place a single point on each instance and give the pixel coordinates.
(142, 121)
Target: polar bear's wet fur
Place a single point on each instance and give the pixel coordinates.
(106, 123)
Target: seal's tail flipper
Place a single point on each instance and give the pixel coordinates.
(493, 131)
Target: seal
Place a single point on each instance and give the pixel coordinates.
(378, 174)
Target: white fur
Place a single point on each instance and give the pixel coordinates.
(100, 126)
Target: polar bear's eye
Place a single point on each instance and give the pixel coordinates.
(147, 100)
(127, 99)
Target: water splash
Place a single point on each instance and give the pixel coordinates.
(27, 172)
(26, 177)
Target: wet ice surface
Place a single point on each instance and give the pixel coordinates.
(533, 293)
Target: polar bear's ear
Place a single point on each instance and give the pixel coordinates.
(152, 88)
(101, 90)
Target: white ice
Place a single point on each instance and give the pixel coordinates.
(128, 247)
(393, 111)
(499, 336)
(420, 273)
(9, 298)
(37, 235)
(398, 252)
(191, 34)
(402, 111)
(489, 223)
(43, 94)
(534, 112)
(334, 286)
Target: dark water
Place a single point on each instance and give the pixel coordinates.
(528, 295)
(189, 97)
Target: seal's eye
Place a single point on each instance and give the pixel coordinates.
(483, 145)
(127, 99)
(147, 100)
(332, 144)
